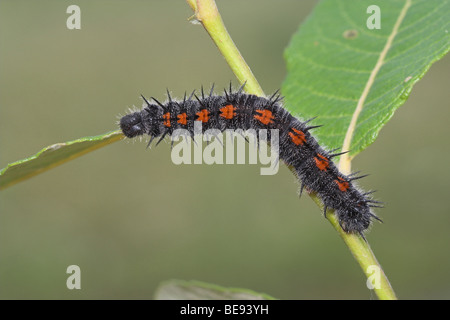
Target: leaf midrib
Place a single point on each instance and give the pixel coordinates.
(345, 161)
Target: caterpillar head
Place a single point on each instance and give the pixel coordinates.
(132, 125)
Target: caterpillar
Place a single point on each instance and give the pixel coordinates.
(311, 163)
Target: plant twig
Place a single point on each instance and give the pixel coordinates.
(206, 12)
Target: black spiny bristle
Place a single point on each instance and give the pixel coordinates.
(160, 104)
(146, 101)
(359, 177)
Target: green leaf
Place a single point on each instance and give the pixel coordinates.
(53, 156)
(195, 290)
(354, 78)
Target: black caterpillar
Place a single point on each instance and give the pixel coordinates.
(297, 147)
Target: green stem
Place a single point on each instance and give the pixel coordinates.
(364, 255)
(206, 12)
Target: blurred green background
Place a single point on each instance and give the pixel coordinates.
(131, 219)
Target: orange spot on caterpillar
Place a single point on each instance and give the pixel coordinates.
(266, 116)
(321, 163)
(342, 184)
(298, 137)
(182, 118)
(228, 111)
(203, 115)
(166, 118)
